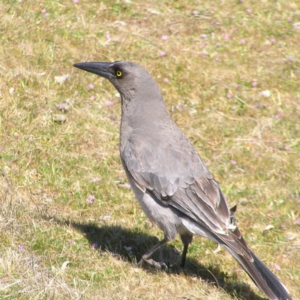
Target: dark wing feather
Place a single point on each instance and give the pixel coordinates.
(175, 173)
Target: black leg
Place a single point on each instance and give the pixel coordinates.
(186, 240)
(183, 256)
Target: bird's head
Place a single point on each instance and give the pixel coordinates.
(127, 77)
(140, 94)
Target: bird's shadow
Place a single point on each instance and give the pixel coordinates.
(129, 245)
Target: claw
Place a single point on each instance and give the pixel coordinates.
(140, 263)
(159, 265)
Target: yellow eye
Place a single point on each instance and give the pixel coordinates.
(119, 73)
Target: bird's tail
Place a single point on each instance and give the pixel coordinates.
(262, 276)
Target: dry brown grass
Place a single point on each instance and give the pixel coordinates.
(54, 244)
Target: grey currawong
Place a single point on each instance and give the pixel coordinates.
(169, 179)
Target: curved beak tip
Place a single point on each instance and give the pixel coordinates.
(99, 68)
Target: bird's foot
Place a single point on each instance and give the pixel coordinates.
(159, 265)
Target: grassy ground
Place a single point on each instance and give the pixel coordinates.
(70, 227)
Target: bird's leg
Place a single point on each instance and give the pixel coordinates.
(146, 257)
(183, 256)
(186, 240)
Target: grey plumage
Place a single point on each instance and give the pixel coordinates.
(168, 177)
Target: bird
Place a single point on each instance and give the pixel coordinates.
(171, 182)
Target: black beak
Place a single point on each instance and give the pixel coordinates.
(99, 68)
